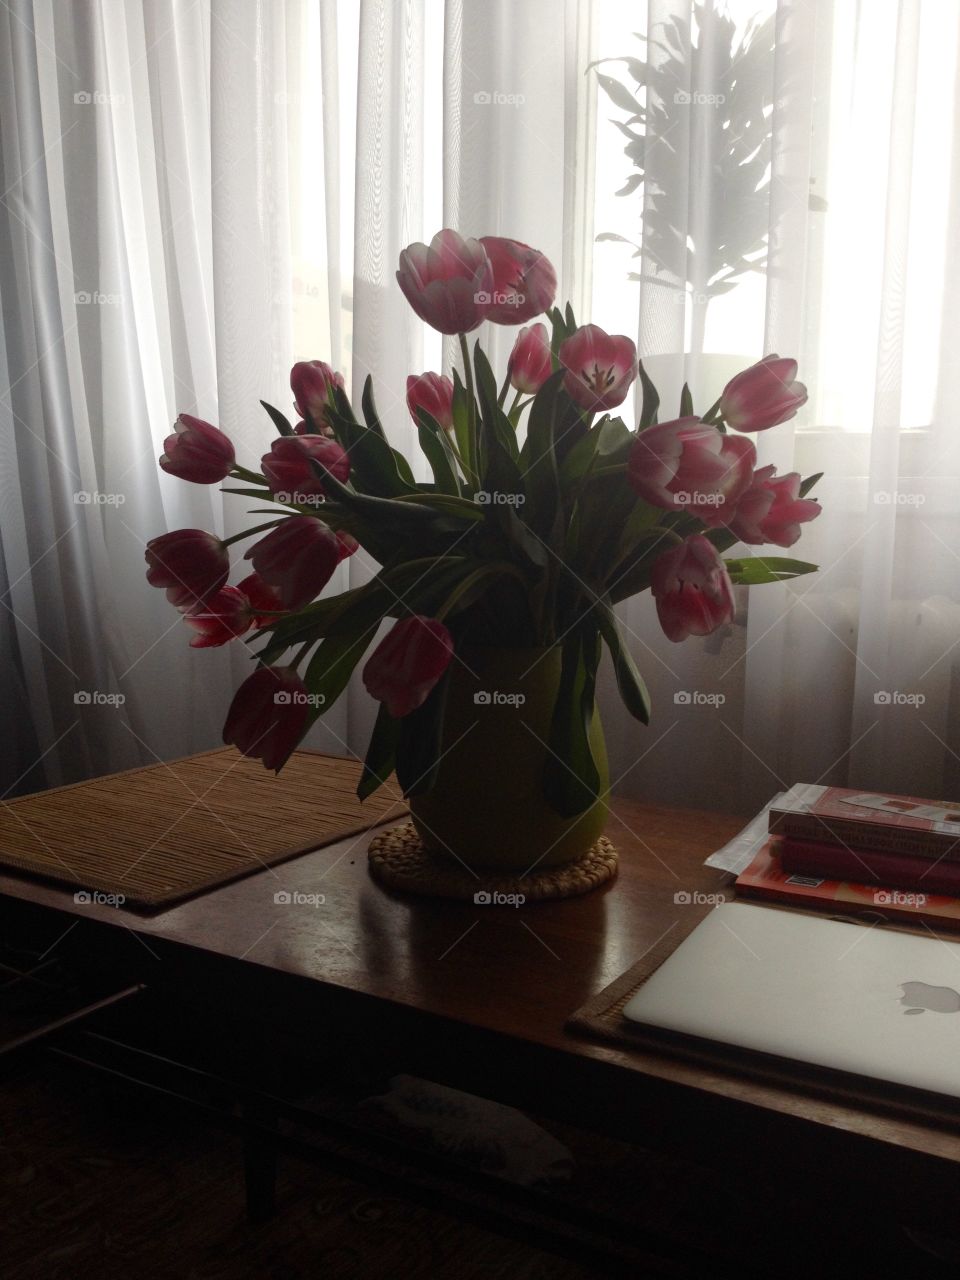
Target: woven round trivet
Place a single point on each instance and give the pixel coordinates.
(399, 860)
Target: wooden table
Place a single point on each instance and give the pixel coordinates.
(477, 997)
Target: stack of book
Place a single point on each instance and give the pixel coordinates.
(866, 851)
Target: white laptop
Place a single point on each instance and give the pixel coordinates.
(851, 997)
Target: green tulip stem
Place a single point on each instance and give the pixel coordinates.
(468, 475)
(252, 477)
(468, 379)
(248, 533)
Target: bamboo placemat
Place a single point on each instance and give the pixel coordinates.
(168, 831)
(602, 1018)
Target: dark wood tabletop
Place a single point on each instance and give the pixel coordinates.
(481, 994)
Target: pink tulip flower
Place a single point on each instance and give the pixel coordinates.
(197, 451)
(288, 470)
(189, 563)
(219, 619)
(346, 544)
(298, 557)
(762, 396)
(524, 281)
(600, 367)
(692, 589)
(268, 716)
(263, 601)
(303, 427)
(407, 663)
(771, 509)
(448, 283)
(689, 465)
(434, 393)
(312, 382)
(530, 363)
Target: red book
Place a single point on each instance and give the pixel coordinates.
(870, 820)
(766, 879)
(834, 862)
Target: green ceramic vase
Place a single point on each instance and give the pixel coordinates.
(487, 806)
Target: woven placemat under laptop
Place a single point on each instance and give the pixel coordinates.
(169, 831)
(397, 859)
(602, 1018)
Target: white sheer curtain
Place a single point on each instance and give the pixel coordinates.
(848, 675)
(230, 183)
(145, 271)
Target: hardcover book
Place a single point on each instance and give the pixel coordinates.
(869, 820)
(765, 878)
(905, 871)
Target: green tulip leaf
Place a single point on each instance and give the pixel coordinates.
(538, 460)
(651, 400)
(261, 495)
(461, 423)
(419, 743)
(279, 421)
(633, 690)
(333, 663)
(381, 758)
(753, 570)
(498, 439)
(418, 586)
(370, 415)
(571, 779)
(437, 451)
(374, 466)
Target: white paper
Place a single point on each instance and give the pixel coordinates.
(737, 854)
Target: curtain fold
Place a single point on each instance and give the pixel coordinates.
(137, 282)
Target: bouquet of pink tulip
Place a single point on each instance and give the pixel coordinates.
(542, 513)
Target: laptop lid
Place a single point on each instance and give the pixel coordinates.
(852, 997)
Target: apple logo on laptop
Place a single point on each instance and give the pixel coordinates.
(920, 996)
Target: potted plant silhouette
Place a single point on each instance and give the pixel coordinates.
(699, 129)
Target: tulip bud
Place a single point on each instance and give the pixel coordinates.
(197, 451)
(346, 544)
(524, 281)
(188, 562)
(771, 509)
(530, 363)
(762, 396)
(407, 663)
(288, 470)
(449, 283)
(219, 619)
(688, 465)
(312, 383)
(263, 601)
(298, 557)
(434, 393)
(692, 588)
(268, 716)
